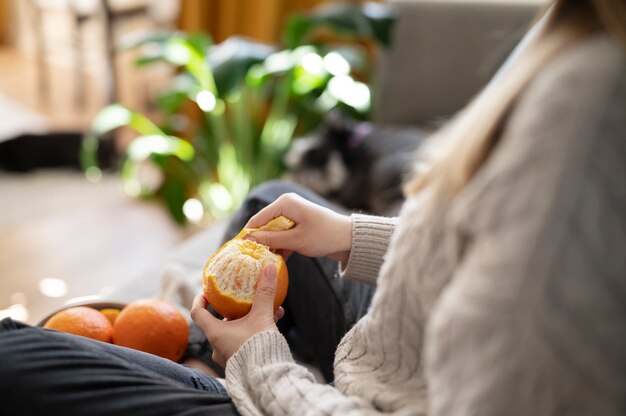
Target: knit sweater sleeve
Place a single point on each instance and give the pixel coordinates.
(377, 364)
(262, 378)
(370, 241)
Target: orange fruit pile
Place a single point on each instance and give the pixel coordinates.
(231, 274)
(148, 325)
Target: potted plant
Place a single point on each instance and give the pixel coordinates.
(233, 109)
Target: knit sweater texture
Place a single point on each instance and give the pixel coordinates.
(511, 301)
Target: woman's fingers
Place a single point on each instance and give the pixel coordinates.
(319, 231)
(288, 239)
(266, 215)
(286, 204)
(278, 314)
(202, 317)
(227, 337)
(218, 358)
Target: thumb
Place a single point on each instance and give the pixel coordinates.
(203, 318)
(263, 300)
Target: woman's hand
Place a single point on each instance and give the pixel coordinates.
(227, 337)
(318, 231)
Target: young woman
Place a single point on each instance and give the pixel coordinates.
(500, 289)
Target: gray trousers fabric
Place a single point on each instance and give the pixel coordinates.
(44, 372)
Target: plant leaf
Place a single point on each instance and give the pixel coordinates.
(381, 19)
(194, 62)
(144, 146)
(115, 115)
(148, 60)
(368, 21)
(200, 41)
(297, 28)
(171, 101)
(231, 60)
(88, 155)
(173, 192)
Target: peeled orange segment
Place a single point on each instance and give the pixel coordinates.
(231, 275)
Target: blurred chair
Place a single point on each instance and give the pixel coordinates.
(111, 14)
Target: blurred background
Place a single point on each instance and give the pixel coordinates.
(65, 235)
(129, 128)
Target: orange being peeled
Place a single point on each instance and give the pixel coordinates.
(152, 326)
(82, 320)
(230, 276)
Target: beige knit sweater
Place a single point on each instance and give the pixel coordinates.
(512, 301)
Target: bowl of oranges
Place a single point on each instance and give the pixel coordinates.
(149, 325)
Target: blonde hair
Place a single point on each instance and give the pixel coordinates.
(472, 135)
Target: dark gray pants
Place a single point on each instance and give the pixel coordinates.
(44, 372)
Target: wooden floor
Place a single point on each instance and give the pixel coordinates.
(91, 236)
(56, 224)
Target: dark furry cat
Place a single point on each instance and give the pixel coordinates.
(55, 150)
(356, 164)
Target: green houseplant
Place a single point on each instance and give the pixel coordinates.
(233, 108)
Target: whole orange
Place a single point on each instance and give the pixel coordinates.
(152, 326)
(230, 276)
(83, 321)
